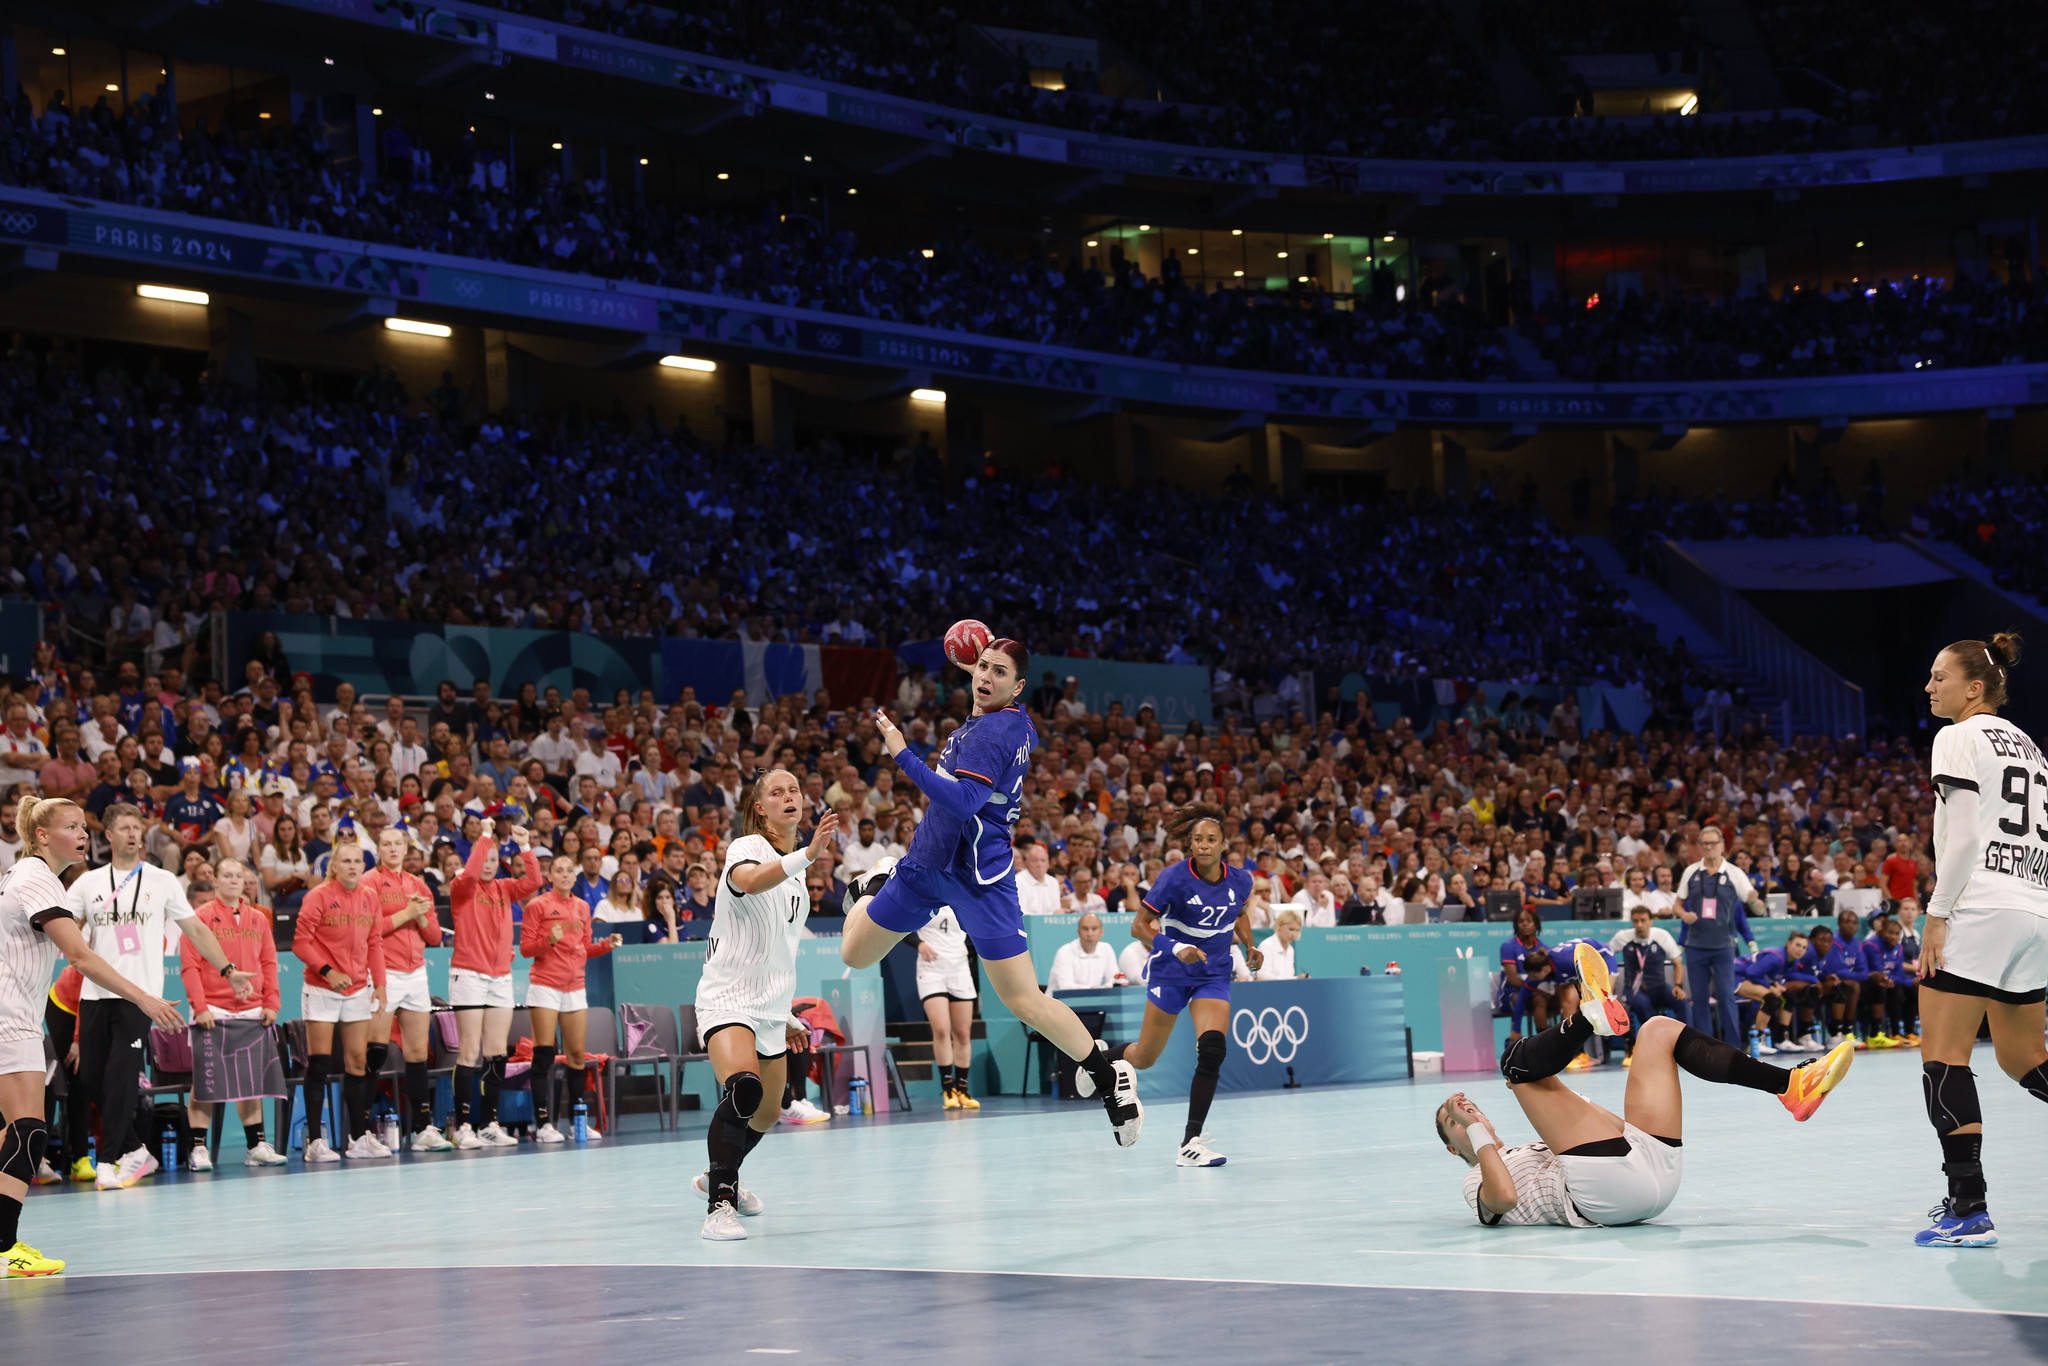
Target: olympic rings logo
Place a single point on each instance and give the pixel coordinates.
(1271, 1035)
(17, 224)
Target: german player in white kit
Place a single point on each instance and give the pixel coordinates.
(35, 926)
(945, 984)
(1984, 953)
(743, 998)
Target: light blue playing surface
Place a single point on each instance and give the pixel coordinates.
(1342, 1186)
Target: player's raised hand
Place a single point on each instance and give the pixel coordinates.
(891, 736)
(822, 837)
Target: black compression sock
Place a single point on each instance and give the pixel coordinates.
(541, 1077)
(318, 1066)
(1536, 1056)
(10, 1221)
(355, 1098)
(494, 1082)
(1096, 1065)
(1962, 1162)
(252, 1134)
(2036, 1082)
(419, 1093)
(1712, 1060)
(465, 1086)
(752, 1140)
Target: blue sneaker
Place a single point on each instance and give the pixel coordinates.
(1956, 1230)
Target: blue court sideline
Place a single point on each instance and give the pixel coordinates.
(1020, 1234)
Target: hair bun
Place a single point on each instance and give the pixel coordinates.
(2006, 647)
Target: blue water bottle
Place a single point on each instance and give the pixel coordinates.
(1755, 1043)
(170, 1153)
(857, 1097)
(582, 1113)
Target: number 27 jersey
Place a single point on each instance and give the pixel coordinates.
(2005, 768)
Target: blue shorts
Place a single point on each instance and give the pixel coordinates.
(1172, 983)
(991, 915)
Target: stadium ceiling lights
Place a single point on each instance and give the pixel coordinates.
(702, 367)
(174, 296)
(928, 395)
(418, 329)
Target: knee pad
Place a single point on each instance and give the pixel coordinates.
(744, 1092)
(2035, 1083)
(1951, 1093)
(1209, 1048)
(374, 1056)
(21, 1149)
(1773, 1003)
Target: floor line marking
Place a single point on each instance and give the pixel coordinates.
(1519, 1256)
(1051, 1275)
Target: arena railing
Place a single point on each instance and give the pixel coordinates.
(760, 89)
(649, 321)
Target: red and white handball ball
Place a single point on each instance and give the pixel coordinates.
(965, 640)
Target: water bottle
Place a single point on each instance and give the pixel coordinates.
(92, 1151)
(582, 1114)
(390, 1136)
(1755, 1043)
(170, 1153)
(857, 1097)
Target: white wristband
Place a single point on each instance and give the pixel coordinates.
(1480, 1137)
(793, 864)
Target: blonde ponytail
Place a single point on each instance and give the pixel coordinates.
(32, 813)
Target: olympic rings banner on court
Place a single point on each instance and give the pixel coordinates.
(1314, 1031)
(498, 294)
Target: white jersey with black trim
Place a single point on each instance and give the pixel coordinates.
(1540, 1194)
(750, 967)
(2001, 764)
(29, 893)
(944, 934)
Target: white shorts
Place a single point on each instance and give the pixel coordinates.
(21, 1053)
(1612, 1191)
(331, 1007)
(953, 980)
(253, 1014)
(408, 991)
(771, 1032)
(547, 998)
(468, 989)
(2004, 949)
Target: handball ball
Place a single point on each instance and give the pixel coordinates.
(965, 640)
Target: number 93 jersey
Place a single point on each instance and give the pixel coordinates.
(993, 748)
(2000, 763)
(750, 966)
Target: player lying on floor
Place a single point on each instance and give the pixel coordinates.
(1592, 1168)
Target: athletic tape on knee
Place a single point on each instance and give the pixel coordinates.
(1209, 1049)
(21, 1149)
(1951, 1093)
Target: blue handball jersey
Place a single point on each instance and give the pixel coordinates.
(1196, 912)
(992, 748)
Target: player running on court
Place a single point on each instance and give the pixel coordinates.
(1192, 914)
(743, 998)
(1592, 1168)
(961, 857)
(945, 987)
(1984, 953)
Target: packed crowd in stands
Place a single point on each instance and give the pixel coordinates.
(626, 528)
(1887, 327)
(2003, 522)
(1637, 524)
(1396, 82)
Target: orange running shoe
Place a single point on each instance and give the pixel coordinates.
(1597, 1002)
(1811, 1081)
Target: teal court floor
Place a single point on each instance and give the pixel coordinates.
(1021, 1233)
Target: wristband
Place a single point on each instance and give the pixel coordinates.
(227, 969)
(793, 864)
(1162, 943)
(1480, 1137)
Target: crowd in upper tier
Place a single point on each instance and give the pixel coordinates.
(469, 204)
(1417, 80)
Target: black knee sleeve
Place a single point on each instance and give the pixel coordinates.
(22, 1144)
(2036, 1082)
(1951, 1093)
(1209, 1048)
(374, 1056)
(743, 1093)
(1773, 1003)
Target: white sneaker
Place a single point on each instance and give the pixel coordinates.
(749, 1203)
(1126, 1111)
(133, 1166)
(548, 1133)
(320, 1150)
(465, 1138)
(1084, 1084)
(431, 1140)
(1836, 1040)
(383, 1149)
(1765, 1049)
(803, 1112)
(201, 1160)
(494, 1136)
(365, 1146)
(263, 1155)
(1196, 1152)
(722, 1225)
(47, 1175)
(592, 1132)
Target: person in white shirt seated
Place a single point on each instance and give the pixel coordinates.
(1038, 892)
(1635, 889)
(622, 906)
(1319, 904)
(1279, 948)
(1084, 961)
(1135, 962)
(1085, 899)
(863, 851)
(1662, 899)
